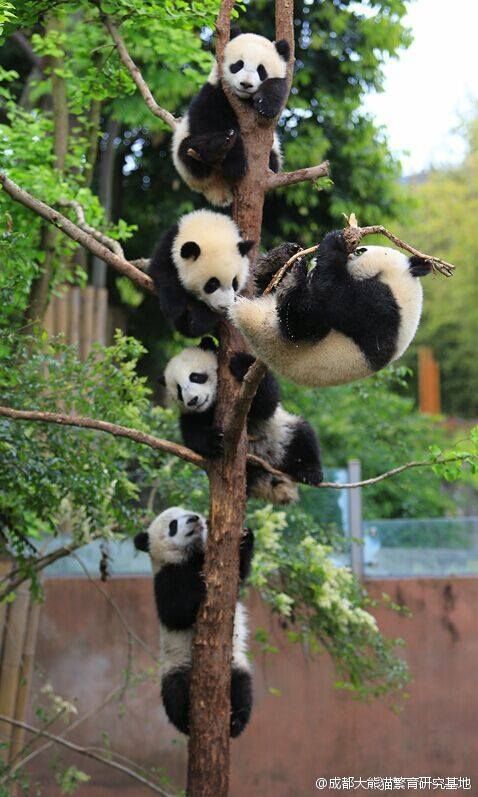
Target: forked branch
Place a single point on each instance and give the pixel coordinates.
(73, 231)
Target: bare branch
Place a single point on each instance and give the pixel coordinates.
(357, 233)
(111, 428)
(424, 463)
(290, 178)
(76, 234)
(353, 236)
(279, 274)
(249, 387)
(16, 577)
(115, 246)
(86, 752)
(138, 78)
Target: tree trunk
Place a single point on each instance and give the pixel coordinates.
(209, 743)
(40, 287)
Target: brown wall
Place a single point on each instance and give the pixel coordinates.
(311, 730)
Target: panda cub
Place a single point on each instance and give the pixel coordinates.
(350, 316)
(208, 151)
(198, 268)
(286, 441)
(175, 542)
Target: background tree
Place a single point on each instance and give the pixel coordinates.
(444, 211)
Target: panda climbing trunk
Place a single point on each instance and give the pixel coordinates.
(209, 740)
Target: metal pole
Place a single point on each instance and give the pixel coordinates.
(354, 470)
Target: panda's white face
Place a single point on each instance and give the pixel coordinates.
(191, 379)
(370, 261)
(211, 258)
(248, 61)
(171, 535)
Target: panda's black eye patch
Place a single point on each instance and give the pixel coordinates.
(262, 72)
(212, 285)
(236, 67)
(179, 393)
(199, 379)
(235, 284)
(173, 528)
(361, 250)
(190, 250)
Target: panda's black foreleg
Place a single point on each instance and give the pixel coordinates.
(267, 265)
(241, 700)
(199, 433)
(175, 695)
(267, 397)
(234, 165)
(246, 551)
(302, 458)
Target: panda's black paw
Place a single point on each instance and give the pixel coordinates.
(265, 106)
(310, 475)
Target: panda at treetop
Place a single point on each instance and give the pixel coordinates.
(348, 317)
(175, 541)
(208, 151)
(284, 440)
(198, 267)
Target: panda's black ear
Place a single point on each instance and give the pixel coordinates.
(208, 344)
(190, 250)
(141, 541)
(235, 31)
(245, 247)
(419, 266)
(283, 48)
(161, 380)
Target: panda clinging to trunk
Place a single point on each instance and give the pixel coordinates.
(208, 151)
(175, 541)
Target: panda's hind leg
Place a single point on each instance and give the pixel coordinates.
(175, 694)
(241, 700)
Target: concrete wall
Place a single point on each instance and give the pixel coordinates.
(311, 730)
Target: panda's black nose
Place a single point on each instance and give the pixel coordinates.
(246, 85)
(192, 402)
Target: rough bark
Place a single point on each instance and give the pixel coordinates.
(209, 743)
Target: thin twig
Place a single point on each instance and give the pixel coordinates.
(138, 78)
(37, 565)
(76, 233)
(128, 630)
(276, 279)
(424, 463)
(85, 752)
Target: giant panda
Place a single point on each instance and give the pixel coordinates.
(254, 69)
(198, 267)
(286, 441)
(175, 541)
(347, 318)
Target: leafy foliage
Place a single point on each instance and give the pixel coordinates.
(444, 220)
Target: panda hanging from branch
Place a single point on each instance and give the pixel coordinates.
(208, 151)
